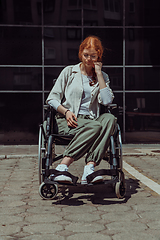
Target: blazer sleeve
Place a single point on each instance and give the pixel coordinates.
(58, 89)
(106, 95)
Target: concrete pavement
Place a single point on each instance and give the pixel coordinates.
(7, 151)
(78, 212)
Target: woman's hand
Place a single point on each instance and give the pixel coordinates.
(98, 71)
(71, 119)
(70, 116)
(98, 67)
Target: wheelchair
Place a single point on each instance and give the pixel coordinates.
(49, 138)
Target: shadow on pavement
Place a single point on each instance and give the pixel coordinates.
(103, 194)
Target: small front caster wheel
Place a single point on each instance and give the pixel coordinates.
(48, 191)
(120, 189)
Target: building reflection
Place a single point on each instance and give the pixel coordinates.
(45, 35)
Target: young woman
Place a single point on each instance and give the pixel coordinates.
(77, 95)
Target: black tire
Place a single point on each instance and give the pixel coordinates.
(48, 191)
(41, 154)
(120, 189)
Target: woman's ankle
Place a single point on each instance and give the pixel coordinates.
(67, 161)
(94, 164)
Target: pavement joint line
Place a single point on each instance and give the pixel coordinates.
(145, 180)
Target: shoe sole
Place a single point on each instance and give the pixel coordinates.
(94, 181)
(63, 179)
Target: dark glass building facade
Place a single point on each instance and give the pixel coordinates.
(39, 38)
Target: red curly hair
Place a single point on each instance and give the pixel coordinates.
(91, 42)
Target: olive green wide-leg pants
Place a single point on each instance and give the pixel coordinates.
(91, 136)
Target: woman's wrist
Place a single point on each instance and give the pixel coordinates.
(66, 112)
(99, 73)
(101, 81)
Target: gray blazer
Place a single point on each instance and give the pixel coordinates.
(68, 90)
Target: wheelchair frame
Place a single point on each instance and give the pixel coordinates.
(49, 137)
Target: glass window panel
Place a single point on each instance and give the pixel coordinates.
(20, 12)
(142, 117)
(117, 6)
(49, 5)
(72, 3)
(142, 13)
(112, 40)
(93, 2)
(111, 4)
(86, 3)
(142, 46)
(21, 78)
(106, 5)
(21, 45)
(61, 45)
(22, 114)
(62, 12)
(116, 77)
(103, 13)
(51, 73)
(142, 78)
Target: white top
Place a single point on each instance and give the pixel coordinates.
(86, 96)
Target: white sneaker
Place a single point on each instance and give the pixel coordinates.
(89, 169)
(62, 178)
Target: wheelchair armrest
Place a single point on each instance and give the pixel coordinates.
(112, 106)
(46, 107)
(49, 108)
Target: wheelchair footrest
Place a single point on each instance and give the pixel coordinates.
(58, 173)
(101, 172)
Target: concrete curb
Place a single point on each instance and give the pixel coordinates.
(2, 157)
(141, 154)
(134, 154)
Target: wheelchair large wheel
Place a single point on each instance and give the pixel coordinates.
(48, 191)
(41, 153)
(118, 148)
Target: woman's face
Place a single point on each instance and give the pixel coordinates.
(89, 56)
